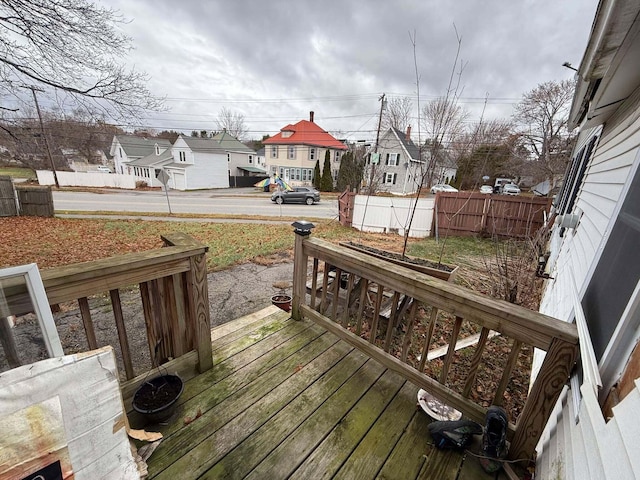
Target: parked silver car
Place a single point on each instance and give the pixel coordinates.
(486, 189)
(511, 189)
(298, 194)
(443, 187)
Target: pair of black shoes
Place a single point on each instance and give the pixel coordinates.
(459, 434)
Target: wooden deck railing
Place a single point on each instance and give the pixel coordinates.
(173, 290)
(351, 289)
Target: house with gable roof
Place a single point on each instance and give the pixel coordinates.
(292, 153)
(242, 161)
(147, 168)
(127, 148)
(399, 167)
(198, 163)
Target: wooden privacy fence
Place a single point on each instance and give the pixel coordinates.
(466, 213)
(35, 201)
(379, 308)
(346, 201)
(8, 206)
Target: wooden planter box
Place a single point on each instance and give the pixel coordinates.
(448, 274)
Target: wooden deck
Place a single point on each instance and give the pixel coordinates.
(287, 399)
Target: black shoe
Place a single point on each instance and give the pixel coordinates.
(456, 434)
(494, 440)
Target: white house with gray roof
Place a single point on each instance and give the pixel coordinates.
(399, 167)
(127, 148)
(198, 163)
(146, 169)
(242, 161)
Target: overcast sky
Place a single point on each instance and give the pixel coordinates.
(274, 61)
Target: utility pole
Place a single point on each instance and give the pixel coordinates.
(46, 141)
(383, 103)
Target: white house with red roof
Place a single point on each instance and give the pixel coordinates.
(293, 152)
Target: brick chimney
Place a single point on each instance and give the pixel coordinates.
(408, 135)
(311, 116)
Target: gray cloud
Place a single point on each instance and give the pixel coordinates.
(336, 57)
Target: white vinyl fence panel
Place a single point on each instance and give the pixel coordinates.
(87, 179)
(392, 214)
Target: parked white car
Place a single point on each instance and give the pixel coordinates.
(103, 169)
(443, 187)
(511, 189)
(486, 189)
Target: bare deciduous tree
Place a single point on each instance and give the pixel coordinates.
(70, 48)
(542, 115)
(397, 114)
(232, 122)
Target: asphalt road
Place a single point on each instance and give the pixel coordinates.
(233, 202)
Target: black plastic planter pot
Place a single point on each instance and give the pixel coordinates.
(282, 301)
(156, 399)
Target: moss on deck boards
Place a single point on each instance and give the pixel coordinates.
(287, 399)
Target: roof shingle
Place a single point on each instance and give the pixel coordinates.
(305, 133)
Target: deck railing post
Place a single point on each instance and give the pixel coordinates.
(302, 229)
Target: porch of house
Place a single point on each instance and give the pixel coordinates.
(331, 389)
(287, 399)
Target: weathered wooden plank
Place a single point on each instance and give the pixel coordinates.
(265, 345)
(364, 286)
(122, 333)
(85, 313)
(314, 283)
(455, 332)
(335, 292)
(441, 464)
(286, 456)
(391, 325)
(219, 429)
(325, 287)
(64, 286)
(250, 452)
(475, 362)
(9, 344)
(376, 315)
(300, 262)
(406, 344)
(151, 319)
(372, 451)
(347, 302)
(506, 373)
(197, 279)
(544, 393)
(170, 316)
(424, 356)
(512, 320)
(327, 458)
(408, 456)
(243, 323)
(184, 331)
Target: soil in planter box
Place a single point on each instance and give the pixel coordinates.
(160, 393)
(397, 256)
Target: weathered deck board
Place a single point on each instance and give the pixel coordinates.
(240, 461)
(185, 444)
(369, 456)
(288, 399)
